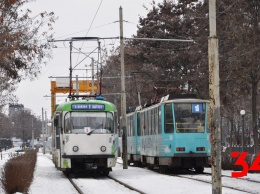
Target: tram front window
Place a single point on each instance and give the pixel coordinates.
(86, 122)
(187, 120)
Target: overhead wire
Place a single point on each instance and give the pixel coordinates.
(90, 26)
(224, 11)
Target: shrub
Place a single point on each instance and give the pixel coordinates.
(228, 163)
(18, 172)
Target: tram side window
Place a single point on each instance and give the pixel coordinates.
(138, 125)
(133, 125)
(128, 126)
(159, 121)
(146, 131)
(168, 117)
(152, 122)
(58, 128)
(156, 120)
(143, 124)
(208, 119)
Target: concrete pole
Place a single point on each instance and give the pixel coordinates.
(214, 101)
(43, 131)
(92, 84)
(123, 95)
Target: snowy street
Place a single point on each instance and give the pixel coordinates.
(48, 180)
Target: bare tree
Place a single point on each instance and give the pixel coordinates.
(23, 44)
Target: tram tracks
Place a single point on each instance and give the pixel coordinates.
(87, 180)
(246, 185)
(237, 184)
(83, 185)
(249, 180)
(75, 186)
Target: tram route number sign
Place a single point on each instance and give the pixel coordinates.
(243, 163)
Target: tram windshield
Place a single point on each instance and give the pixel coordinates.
(89, 123)
(190, 117)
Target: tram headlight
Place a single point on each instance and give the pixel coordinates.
(75, 148)
(103, 148)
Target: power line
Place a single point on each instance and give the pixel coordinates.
(90, 26)
(224, 11)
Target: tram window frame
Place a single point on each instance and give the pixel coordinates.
(168, 118)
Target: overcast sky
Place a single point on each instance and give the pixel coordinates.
(93, 18)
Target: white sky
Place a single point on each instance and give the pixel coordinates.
(75, 18)
(48, 180)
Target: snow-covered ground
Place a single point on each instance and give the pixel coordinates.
(47, 180)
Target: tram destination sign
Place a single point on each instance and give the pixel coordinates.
(88, 107)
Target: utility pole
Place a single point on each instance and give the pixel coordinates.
(46, 128)
(123, 96)
(214, 101)
(32, 135)
(43, 131)
(92, 84)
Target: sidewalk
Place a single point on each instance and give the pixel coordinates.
(47, 179)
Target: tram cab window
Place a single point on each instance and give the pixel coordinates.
(188, 121)
(86, 122)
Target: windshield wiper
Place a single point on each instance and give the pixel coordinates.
(89, 133)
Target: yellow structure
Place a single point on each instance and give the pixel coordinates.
(63, 86)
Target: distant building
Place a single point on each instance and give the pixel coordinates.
(15, 108)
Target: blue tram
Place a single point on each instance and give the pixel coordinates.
(171, 134)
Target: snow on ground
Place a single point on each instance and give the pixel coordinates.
(48, 180)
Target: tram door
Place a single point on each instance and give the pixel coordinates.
(57, 133)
